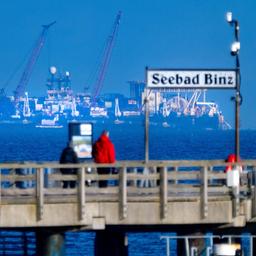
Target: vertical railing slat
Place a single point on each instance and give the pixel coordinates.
(236, 200)
(163, 191)
(81, 194)
(204, 192)
(40, 192)
(123, 193)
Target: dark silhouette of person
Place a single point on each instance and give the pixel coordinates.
(68, 156)
(103, 152)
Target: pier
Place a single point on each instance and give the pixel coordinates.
(175, 196)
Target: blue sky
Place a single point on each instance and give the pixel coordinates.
(159, 34)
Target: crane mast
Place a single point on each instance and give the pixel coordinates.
(20, 89)
(106, 59)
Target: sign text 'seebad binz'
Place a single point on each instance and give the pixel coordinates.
(209, 79)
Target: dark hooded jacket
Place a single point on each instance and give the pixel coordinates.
(68, 156)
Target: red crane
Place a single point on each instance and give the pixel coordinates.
(20, 90)
(106, 59)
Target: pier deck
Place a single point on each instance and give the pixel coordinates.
(153, 193)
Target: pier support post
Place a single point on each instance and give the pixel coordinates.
(181, 247)
(49, 243)
(108, 242)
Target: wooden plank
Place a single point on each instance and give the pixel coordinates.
(104, 190)
(141, 190)
(59, 177)
(60, 191)
(173, 188)
(182, 175)
(17, 192)
(141, 176)
(21, 201)
(145, 199)
(15, 177)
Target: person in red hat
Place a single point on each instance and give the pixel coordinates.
(231, 159)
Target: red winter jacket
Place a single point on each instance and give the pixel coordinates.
(103, 150)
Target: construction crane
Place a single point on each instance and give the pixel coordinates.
(106, 59)
(20, 90)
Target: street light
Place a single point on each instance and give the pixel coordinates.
(53, 70)
(235, 48)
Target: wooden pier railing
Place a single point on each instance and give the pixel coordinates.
(157, 192)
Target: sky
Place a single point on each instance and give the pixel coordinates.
(158, 34)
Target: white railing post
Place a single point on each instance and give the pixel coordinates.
(236, 200)
(123, 193)
(204, 192)
(163, 191)
(40, 192)
(134, 182)
(81, 192)
(167, 244)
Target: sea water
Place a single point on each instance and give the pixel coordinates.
(20, 143)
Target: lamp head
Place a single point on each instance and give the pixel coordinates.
(53, 70)
(67, 73)
(229, 18)
(235, 47)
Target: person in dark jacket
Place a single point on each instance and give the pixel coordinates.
(68, 156)
(103, 152)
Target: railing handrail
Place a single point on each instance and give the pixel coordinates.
(127, 163)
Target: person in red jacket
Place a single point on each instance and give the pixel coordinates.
(103, 152)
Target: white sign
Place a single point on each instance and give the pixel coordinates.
(191, 79)
(86, 129)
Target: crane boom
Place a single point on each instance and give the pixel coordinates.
(20, 89)
(106, 58)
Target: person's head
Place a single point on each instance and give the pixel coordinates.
(70, 144)
(105, 133)
(231, 158)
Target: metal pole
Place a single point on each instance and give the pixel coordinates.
(237, 124)
(237, 97)
(237, 102)
(146, 126)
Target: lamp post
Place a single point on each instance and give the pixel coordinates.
(235, 47)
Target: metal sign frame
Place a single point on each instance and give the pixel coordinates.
(191, 78)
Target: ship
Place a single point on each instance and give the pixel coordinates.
(184, 111)
(172, 110)
(49, 123)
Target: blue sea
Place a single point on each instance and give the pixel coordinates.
(20, 143)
